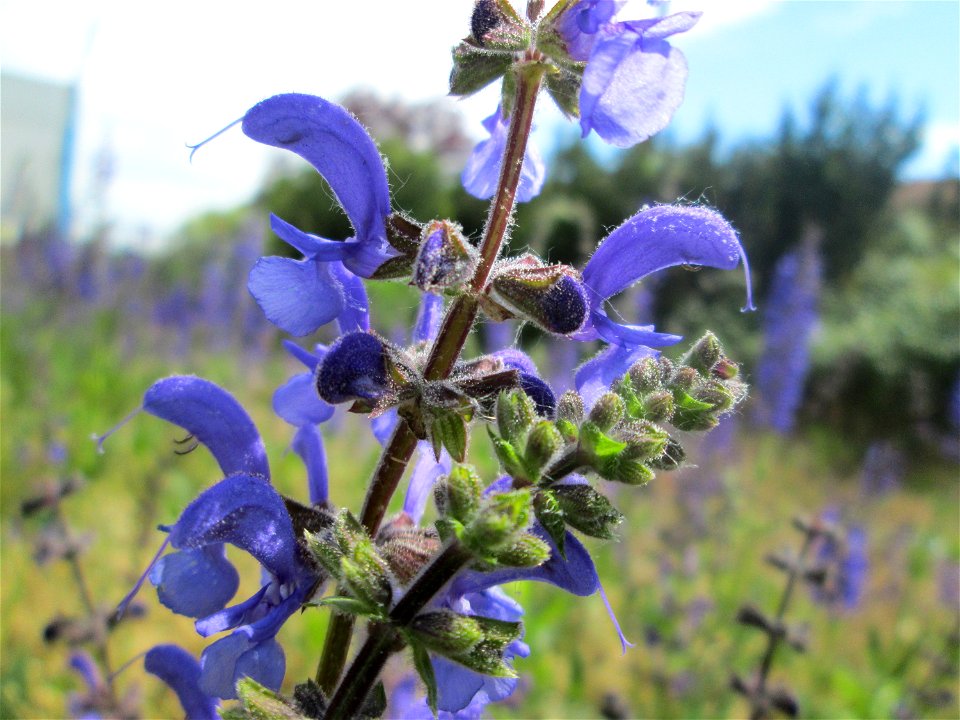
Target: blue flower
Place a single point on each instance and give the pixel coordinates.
(243, 510)
(482, 171)
(634, 80)
(788, 324)
(300, 296)
(655, 238)
(847, 562)
(181, 672)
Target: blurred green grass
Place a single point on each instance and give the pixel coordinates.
(63, 381)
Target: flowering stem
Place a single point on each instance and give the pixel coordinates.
(383, 638)
(759, 709)
(446, 349)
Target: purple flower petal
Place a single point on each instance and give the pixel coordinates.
(660, 237)
(330, 139)
(298, 296)
(297, 402)
(356, 306)
(309, 359)
(195, 583)
(313, 247)
(576, 574)
(84, 665)
(178, 669)
(634, 80)
(234, 657)
(247, 512)
(425, 473)
(308, 444)
(213, 417)
(429, 317)
(482, 172)
(234, 616)
(630, 335)
(595, 376)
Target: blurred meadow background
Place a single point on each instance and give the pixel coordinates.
(122, 263)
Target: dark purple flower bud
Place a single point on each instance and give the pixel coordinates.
(553, 297)
(445, 259)
(354, 368)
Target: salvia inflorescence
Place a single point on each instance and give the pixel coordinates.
(430, 592)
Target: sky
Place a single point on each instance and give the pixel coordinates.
(154, 77)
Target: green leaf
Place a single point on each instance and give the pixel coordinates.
(475, 67)
(424, 668)
(449, 430)
(597, 443)
(563, 85)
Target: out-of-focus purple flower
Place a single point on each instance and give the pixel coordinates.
(181, 672)
(883, 469)
(90, 705)
(790, 317)
(634, 79)
(482, 172)
(948, 584)
(848, 565)
(300, 296)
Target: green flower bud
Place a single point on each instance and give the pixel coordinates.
(543, 444)
(704, 354)
(644, 440)
(570, 407)
(647, 375)
(547, 508)
(658, 406)
(726, 369)
(499, 523)
(447, 632)
(509, 458)
(624, 470)
(568, 430)
(587, 510)
(608, 411)
(685, 378)
(464, 492)
(324, 549)
(448, 429)
(672, 457)
(516, 412)
(365, 574)
(528, 551)
(717, 394)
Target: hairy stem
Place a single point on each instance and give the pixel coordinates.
(382, 640)
(457, 324)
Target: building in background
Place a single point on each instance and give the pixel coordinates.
(37, 128)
